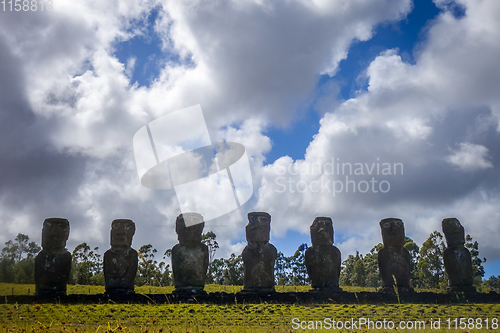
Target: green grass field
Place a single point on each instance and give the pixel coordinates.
(235, 318)
(111, 317)
(7, 289)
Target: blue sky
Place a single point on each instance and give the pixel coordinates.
(405, 35)
(293, 140)
(146, 49)
(297, 83)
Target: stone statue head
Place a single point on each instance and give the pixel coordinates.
(258, 228)
(393, 232)
(122, 232)
(322, 231)
(453, 232)
(55, 233)
(191, 234)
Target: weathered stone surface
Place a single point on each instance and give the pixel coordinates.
(190, 256)
(53, 263)
(393, 258)
(457, 259)
(120, 262)
(259, 255)
(323, 259)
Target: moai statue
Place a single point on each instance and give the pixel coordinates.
(259, 255)
(393, 258)
(457, 259)
(190, 256)
(323, 259)
(53, 263)
(120, 262)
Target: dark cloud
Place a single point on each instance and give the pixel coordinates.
(69, 112)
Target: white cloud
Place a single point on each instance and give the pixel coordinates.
(235, 248)
(250, 65)
(262, 58)
(470, 157)
(410, 114)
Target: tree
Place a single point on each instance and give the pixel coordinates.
(86, 265)
(373, 278)
(17, 260)
(477, 266)
(147, 270)
(215, 273)
(298, 268)
(354, 271)
(226, 271)
(492, 284)
(25, 267)
(10, 251)
(363, 271)
(32, 250)
(413, 248)
(233, 272)
(347, 270)
(7, 262)
(430, 266)
(165, 274)
(358, 272)
(282, 269)
(22, 245)
(209, 240)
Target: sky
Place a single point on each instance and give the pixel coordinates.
(354, 109)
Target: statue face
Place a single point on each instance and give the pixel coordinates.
(322, 231)
(55, 233)
(191, 234)
(393, 232)
(454, 232)
(258, 228)
(122, 232)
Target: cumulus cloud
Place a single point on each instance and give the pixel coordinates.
(69, 110)
(410, 114)
(66, 144)
(470, 157)
(263, 58)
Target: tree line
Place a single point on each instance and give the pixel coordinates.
(426, 265)
(17, 264)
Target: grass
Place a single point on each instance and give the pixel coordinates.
(222, 318)
(25, 289)
(111, 317)
(7, 289)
